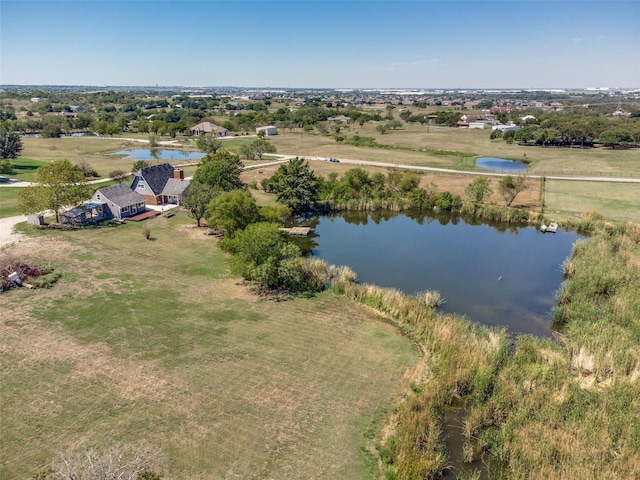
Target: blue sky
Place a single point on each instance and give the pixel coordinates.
(339, 44)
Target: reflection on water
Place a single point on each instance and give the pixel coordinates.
(494, 273)
(159, 154)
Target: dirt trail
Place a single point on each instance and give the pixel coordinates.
(6, 230)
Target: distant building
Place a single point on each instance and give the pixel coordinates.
(476, 125)
(269, 130)
(339, 118)
(208, 127)
(505, 128)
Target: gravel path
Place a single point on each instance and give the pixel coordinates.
(6, 230)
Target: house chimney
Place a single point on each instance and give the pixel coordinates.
(178, 173)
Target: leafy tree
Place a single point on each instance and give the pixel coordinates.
(197, 200)
(58, 184)
(209, 143)
(139, 165)
(509, 187)
(263, 254)
(10, 143)
(275, 213)
(232, 211)
(6, 168)
(394, 124)
(296, 186)
(220, 171)
(382, 128)
(614, 137)
(409, 182)
(478, 190)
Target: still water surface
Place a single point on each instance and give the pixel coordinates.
(494, 274)
(159, 154)
(501, 164)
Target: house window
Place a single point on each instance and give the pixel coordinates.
(125, 209)
(141, 186)
(98, 196)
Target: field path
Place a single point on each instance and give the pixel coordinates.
(6, 230)
(468, 172)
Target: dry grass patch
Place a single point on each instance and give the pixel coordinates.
(155, 342)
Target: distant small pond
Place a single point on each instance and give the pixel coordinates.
(501, 164)
(159, 154)
(495, 274)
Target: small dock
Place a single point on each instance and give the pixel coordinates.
(551, 228)
(297, 231)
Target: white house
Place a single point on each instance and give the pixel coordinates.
(505, 128)
(269, 130)
(476, 125)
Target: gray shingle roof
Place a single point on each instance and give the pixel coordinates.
(175, 186)
(156, 176)
(121, 195)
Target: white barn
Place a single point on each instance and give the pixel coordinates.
(269, 130)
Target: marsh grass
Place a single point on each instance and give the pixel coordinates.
(536, 408)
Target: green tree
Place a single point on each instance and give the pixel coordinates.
(197, 200)
(220, 171)
(10, 143)
(139, 165)
(58, 185)
(261, 146)
(296, 186)
(6, 167)
(263, 254)
(509, 187)
(232, 211)
(275, 213)
(478, 190)
(382, 128)
(209, 143)
(614, 137)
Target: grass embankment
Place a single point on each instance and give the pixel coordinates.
(154, 341)
(561, 410)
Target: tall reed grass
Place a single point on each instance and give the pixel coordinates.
(537, 408)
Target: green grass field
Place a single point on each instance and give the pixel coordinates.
(9, 201)
(571, 199)
(154, 341)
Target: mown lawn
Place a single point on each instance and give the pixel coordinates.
(9, 201)
(616, 201)
(154, 341)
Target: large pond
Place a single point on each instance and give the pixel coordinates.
(494, 274)
(159, 154)
(501, 164)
